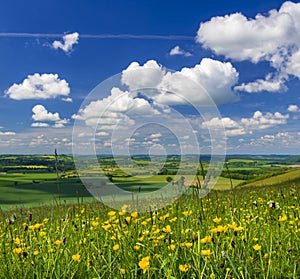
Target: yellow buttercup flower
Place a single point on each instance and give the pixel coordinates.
(184, 267)
(188, 244)
(76, 258)
(187, 213)
(116, 247)
(95, 224)
(167, 229)
(136, 247)
(144, 264)
(17, 250)
(217, 220)
(111, 213)
(134, 214)
(57, 242)
(257, 247)
(17, 241)
(206, 239)
(206, 253)
(172, 247)
(282, 218)
(35, 253)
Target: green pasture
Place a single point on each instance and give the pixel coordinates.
(287, 178)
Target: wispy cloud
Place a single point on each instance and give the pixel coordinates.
(99, 36)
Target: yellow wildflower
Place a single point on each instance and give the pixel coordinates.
(217, 220)
(282, 218)
(187, 213)
(206, 239)
(184, 267)
(136, 247)
(144, 264)
(95, 224)
(172, 247)
(76, 258)
(167, 229)
(257, 247)
(157, 231)
(134, 214)
(116, 247)
(173, 219)
(188, 244)
(17, 241)
(57, 242)
(206, 253)
(17, 250)
(111, 213)
(106, 227)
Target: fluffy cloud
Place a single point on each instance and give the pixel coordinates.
(211, 79)
(263, 121)
(110, 110)
(68, 41)
(240, 38)
(269, 84)
(69, 100)
(273, 37)
(232, 128)
(178, 51)
(41, 115)
(39, 86)
(7, 133)
(39, 124)
(258, 121)
(293, 108)
(155, 136)
(139, 77)
(102, 134)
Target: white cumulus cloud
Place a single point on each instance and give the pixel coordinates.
(39, 124)
(258, 121)
(232, 127)
(209, 80)
(263, 121)
(268, 84)
(41, 115)
(39, 86)
(241, 38)
(119, 105)
(273, 37)
(68, 41)
(138, 76)
(293, 108)
(7, 133)
(178, 51)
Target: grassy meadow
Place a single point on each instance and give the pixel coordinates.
(51, 228)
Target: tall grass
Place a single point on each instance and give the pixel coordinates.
(255, 236)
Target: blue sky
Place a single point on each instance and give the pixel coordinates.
(246, 56)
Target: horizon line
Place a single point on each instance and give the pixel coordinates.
(97, 36)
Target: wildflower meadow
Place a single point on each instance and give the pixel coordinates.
(247, 233)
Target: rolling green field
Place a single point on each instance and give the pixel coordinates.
(250, 233)
(34, 182)
(51, 227)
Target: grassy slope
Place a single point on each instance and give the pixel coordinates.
(278, 179)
